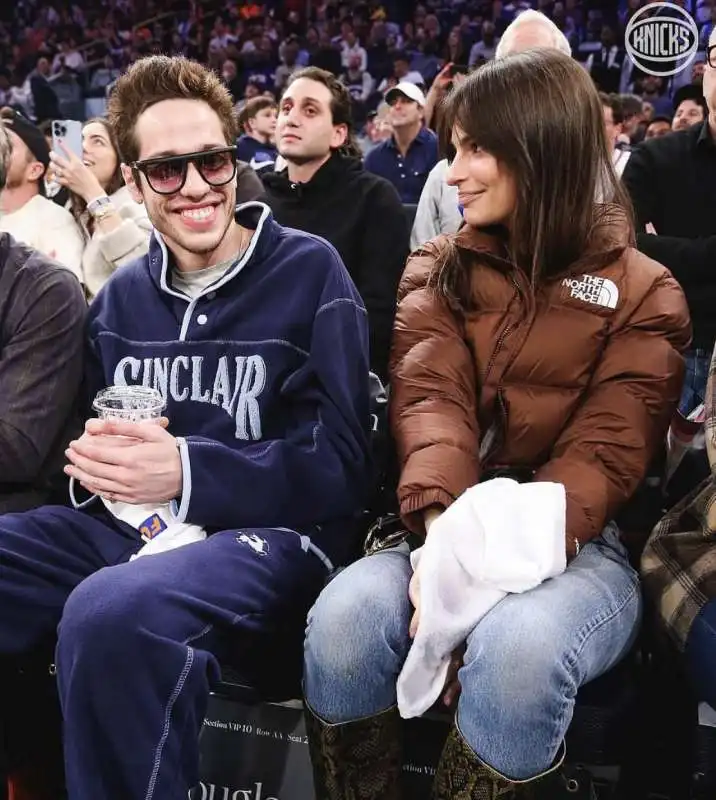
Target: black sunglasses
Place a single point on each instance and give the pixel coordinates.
(167, 175)
(710, 57)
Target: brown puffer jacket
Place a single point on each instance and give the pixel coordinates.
(575, 382)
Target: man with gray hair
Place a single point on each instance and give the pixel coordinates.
(438, 209)
(41, 344)
(530, 30)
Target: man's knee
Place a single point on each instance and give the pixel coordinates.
(101, 614)
(363, 610)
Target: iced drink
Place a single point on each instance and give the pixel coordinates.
(129, 404)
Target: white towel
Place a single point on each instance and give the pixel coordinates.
(498, 537)
(157, 526)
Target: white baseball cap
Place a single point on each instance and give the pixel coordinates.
(407, 89)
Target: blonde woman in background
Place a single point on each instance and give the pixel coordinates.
(116, 228)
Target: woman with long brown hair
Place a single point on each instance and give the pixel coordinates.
(116, 229)
(536, 343)
(455, 51)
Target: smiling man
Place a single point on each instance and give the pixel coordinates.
(265, 377)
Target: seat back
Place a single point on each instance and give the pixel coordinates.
(410, 209)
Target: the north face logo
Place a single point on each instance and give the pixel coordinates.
(590, 289)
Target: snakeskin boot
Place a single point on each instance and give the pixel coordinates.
(462, 776)
(360, 760)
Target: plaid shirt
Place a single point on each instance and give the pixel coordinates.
(679, 562)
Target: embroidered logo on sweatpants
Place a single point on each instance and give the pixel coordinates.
(258, 544)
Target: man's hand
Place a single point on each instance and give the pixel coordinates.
(133, 462)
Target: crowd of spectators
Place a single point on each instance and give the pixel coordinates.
(57, 56)
(340, 133)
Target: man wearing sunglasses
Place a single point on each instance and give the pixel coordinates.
(258, 342)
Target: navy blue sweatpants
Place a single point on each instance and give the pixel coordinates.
(140, 642)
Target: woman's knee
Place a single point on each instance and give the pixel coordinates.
(361, 617)
(515, 662)
(525, 662)
(517, 695)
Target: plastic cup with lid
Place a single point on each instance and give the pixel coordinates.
(129, 404)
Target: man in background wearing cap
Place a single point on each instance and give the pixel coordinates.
(689, 107)
(412, 151)
(25, 212)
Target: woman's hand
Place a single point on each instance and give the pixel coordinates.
(414, 595)
(452, 689)
(443, 79)
(69, 171)
(430, 515)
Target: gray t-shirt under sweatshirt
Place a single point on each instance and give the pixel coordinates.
(193, 283)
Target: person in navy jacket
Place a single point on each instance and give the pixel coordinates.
(258, 341)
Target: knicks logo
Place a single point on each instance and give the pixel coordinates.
(152, 526)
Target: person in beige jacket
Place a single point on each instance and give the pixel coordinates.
(25, 211)
(116, 228)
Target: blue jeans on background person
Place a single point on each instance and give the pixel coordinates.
(701, 654)
(524, 661)
(696, 376)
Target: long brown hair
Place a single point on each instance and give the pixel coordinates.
(539, 114)
(78, 205)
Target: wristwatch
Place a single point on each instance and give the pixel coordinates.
(100, 207)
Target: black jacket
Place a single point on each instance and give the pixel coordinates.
(361, 215)
(42, 313)
(47, 105)
(672, 183)
(248, 184)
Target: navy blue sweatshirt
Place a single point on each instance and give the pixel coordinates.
(265, 375)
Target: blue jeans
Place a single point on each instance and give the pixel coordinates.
(524, 662)
(701, 654)
(695, 378)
